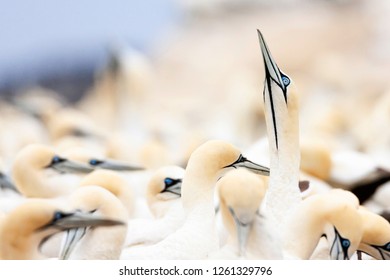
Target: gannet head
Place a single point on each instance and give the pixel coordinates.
(279, 94)
(241, 193)
(102, 205)
(114, 183)
(33, 160)
(332, 215)
(70, 122)
(343, 224)
(29, 225)
(164, 185)
(376, 236)
(208, 163)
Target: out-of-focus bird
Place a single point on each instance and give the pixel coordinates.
(38, 171)
(27, 227)
(102, 242)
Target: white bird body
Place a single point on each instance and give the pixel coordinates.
(147, 231)
(197, 237)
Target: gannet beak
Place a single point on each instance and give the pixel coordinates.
(242, 232)
(114, 165)
(339, 248)
(272, 71)
(254, 167)
(79, 219)
(77, 224)
(172, 186)
(64, 165)
(6, 184)
(382, 251)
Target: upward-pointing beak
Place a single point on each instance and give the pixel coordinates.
(272, 71)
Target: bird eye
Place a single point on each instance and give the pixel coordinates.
(285, 80)
(58, 216)
(168, 181)
(56, 159)
(345, 243)
(95, 162)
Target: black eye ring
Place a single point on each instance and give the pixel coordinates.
(58, 216)
(168, 181)
(346, 243)
(95, 162)
(56, 159)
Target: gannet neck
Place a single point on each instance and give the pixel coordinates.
(204, 168)
(281, 114)
(376, 235)
(332, 214)
(39, 172)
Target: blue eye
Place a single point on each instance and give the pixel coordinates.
(95, 162)
(168, 181)
(285, 80)
(345, 243)
(58, 216)
(56, 159)
(387, 246)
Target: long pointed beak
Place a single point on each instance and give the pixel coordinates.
(242, 232)
(69, 166)
(6, 183)
(272, 71)
(114, 165)
(254, 167)
(377, 252)
(79, 220)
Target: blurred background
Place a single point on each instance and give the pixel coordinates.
(148, 81)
